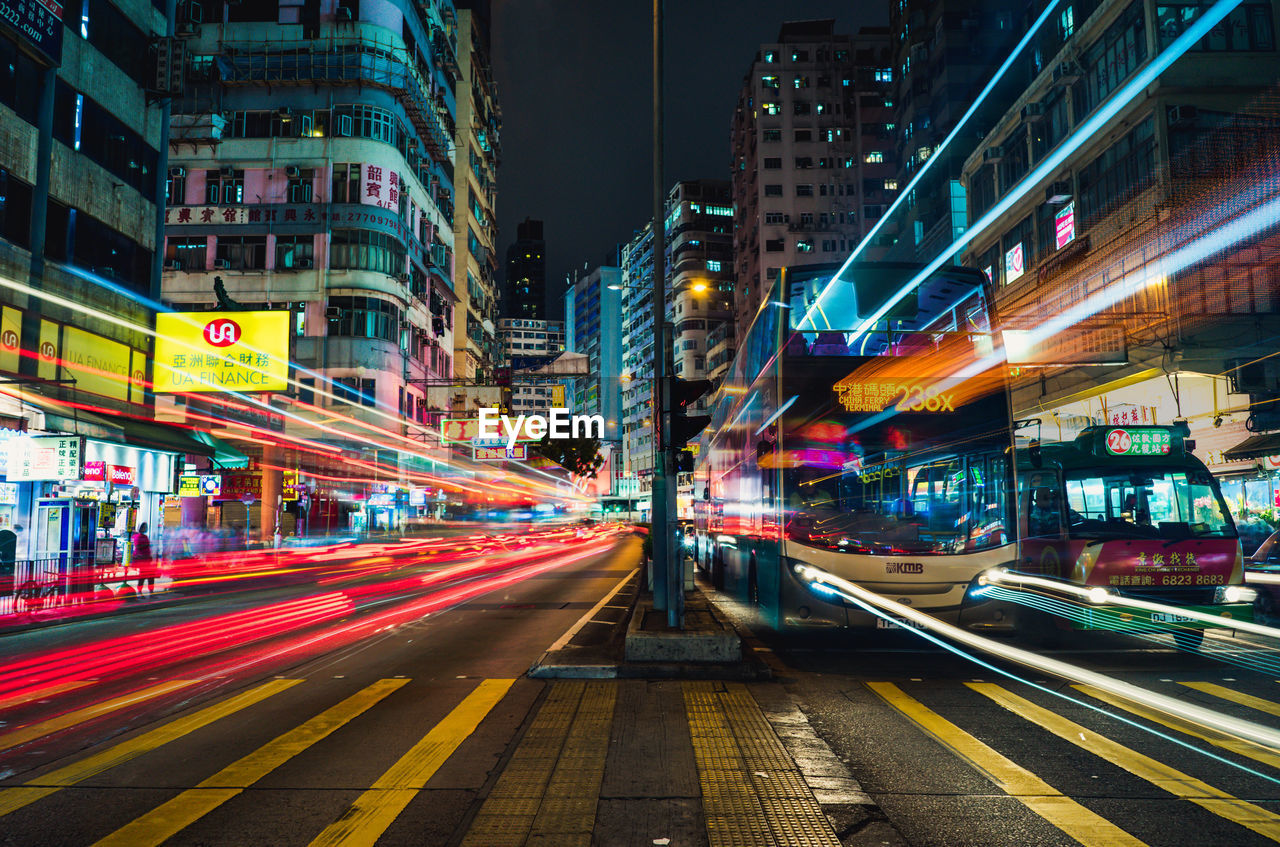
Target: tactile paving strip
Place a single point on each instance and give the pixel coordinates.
(548, 792)
(752, 793)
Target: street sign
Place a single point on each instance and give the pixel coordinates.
(519, 453)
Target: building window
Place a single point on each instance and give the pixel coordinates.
(804, 161)
(890, 185)
(802, 82)
(801, 107)
(176, 187)
(359, 249)
(769, 82)
(1248, 27)
(771, 108)
(300, 186)
(771, 56)
(242, 253)
(828, 245)
(354, 390)
(224, 187)
(346, 183)
(773, 191)
(1112, 58)
(185, 254)
(771, 135)
(804, 246)
(884, 75)
(1122, 171)
(364, 317)
(804, 190)
(772, 164)
(295, 251)
(775, 245)
(874, 157)
(799, 55)
(775, 218)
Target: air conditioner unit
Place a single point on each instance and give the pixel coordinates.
(227, 171)
(292, 171)
(177, 172)
(1033, 112)
(993, 153)
(333, 313)
(1067, 73)
(222, 264)
(1058, 193)
(1182, 115)
(303, 264)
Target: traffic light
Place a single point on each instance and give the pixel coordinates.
(683, 393)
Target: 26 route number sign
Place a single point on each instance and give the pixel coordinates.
(1138, 442)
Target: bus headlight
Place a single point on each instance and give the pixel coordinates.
(1235, 594)
(1098, 596)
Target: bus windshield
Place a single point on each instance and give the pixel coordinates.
(947, 505)
(1145, 503)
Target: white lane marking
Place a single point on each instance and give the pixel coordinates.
(586, 619)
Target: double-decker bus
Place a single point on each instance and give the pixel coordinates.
(862, 452)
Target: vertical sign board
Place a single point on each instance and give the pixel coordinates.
(10, 339)
(37, 22)
(51, 458)
(1014, 265)
(1064, 226)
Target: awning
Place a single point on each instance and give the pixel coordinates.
(224, 455)
(159, 436)
(1254, 447)
(86, 424)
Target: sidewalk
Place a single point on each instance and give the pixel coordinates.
(672, 753)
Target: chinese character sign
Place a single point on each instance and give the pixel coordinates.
(1014, 263)
(227, 351)
(44, 458)
(1064, 226)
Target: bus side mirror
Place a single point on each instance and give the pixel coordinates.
(1037, 460)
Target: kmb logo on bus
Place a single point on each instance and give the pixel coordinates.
(904, 567)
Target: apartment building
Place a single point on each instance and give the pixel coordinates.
(311, 171)
(812, 166)
(526, 288)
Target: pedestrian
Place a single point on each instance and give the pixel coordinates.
(142, 558)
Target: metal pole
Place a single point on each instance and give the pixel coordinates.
(658, 492)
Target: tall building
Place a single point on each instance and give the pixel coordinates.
(527, 345)
(811, 166)
(1173, 315)
(698, 252)
(312, 163)
(526, 293)
(637, 359)
(475, 226)
(81, 178)
(944, 52)
(593, 327)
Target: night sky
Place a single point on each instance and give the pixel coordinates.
(574, 84)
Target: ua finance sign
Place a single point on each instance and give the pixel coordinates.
(228, 351)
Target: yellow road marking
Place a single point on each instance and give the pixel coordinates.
(1066, 814)
(31, 732)
(376, 809)
(19, 699)
(188, 807)
(12, 799)
(1225, 740)
(1159, 774)
(1235, 697)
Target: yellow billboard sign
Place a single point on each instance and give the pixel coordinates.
(98, 365)
(10, 339)
(222, 351)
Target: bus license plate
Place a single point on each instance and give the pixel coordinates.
(882, 623)
(1169, 617)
